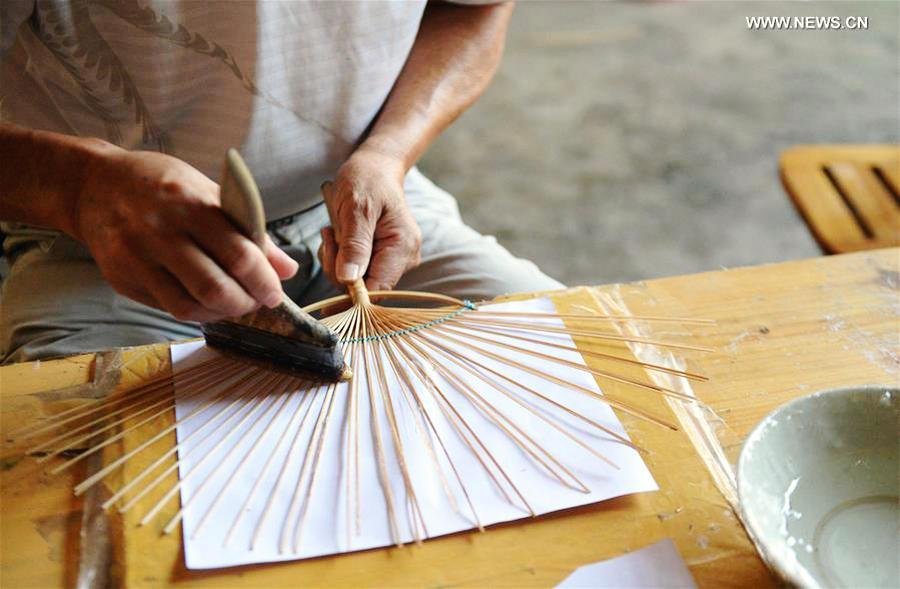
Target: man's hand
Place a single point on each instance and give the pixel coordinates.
(374, 233)
(455, 54)
(154, 226)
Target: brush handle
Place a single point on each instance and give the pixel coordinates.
(359, 294)
(240, 200)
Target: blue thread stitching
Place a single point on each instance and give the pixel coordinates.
(469, 306)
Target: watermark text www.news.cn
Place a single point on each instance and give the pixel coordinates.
(813, 23)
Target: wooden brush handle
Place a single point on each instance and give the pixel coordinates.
(240, 200)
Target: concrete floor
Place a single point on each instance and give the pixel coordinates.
(624, 141)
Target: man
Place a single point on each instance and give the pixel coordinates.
(116, 114)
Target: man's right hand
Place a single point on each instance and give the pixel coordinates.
(154, 226)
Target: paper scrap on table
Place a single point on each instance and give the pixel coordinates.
(657, 565)
(273, 510)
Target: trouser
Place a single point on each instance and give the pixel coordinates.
(56, 303)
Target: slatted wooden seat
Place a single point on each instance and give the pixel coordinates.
(849, 195)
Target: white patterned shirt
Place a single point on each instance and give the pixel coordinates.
(294, 85)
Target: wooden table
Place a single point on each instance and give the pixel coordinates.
(783, 331)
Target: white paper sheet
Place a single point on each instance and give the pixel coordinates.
(657, 565)
(280, 516)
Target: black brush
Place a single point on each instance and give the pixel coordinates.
(283, 337)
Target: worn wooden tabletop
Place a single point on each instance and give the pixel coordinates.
(782, 331)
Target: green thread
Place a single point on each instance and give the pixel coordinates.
(468, 306)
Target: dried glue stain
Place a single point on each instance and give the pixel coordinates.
(879, 349)
(733, 344)
(663, 515)
(835, 324)
(53, 530)
(889, 278)
(788, 512)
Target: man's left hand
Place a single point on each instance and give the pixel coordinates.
(374, 233)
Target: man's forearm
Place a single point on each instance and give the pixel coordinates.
(454, 57)
(152, 223)
(41, 175)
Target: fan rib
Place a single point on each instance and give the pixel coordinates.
(253, 394)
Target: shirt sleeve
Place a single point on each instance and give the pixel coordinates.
(12, 14)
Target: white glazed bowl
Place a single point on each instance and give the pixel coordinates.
(817, 481)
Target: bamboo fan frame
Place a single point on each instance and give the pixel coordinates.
(253, 395)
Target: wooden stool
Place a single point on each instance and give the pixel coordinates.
(849, 195)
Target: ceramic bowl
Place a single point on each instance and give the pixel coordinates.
(817, 481)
